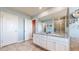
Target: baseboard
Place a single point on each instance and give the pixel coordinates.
(20, 41)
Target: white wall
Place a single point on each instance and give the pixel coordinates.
(21, 23)
(28, 29)
(74, 27)
(39, 27)
(21, 29)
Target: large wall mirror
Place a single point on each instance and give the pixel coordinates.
(56, 24)
(59, 26)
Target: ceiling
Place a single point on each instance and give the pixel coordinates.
(31, 11)
(55, 15)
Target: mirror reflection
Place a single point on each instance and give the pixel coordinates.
(54, 24)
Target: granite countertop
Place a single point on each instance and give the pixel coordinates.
(56, 35)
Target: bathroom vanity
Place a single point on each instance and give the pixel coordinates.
(52, 33)
(51, 42)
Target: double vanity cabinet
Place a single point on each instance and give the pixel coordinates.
(51, 43)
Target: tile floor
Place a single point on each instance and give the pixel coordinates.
(29, 46)
(23, 46)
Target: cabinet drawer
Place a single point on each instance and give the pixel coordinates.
(36, 41)
(43, 43)
(51, 46)
(61, 47)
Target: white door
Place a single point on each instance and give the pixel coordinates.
(28, 29)
(9, 28)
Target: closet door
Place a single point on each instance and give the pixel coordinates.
(9, 28)
(28, 29)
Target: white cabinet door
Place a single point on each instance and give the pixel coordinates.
(43, 41)
(40, 40)
(36, 39)
(60, 46)
(9, 28)
(51, 46)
